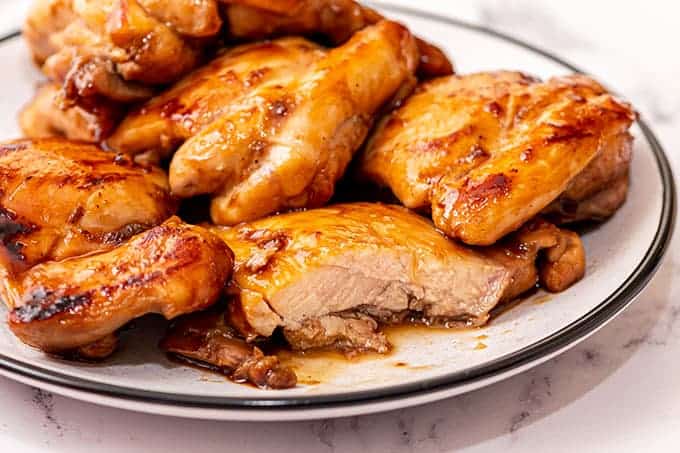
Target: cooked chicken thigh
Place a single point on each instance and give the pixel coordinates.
(193, 18)
(166, 121)
(45, 20)
(539, 253)
(60, 199)
(329, 276)
(285, 146)
(600, 189)
(487, 152)
(337, 20)
(171, 269)
(107, 54)
(117, 49)
(44, 117)
(108, 47)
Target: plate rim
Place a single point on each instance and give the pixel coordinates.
(578, 329)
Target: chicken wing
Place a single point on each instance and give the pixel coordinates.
(487, 152)
(60, 199)
(329, 276)
(166, 121)
(285, 146)
(337, 20)
(171, 269)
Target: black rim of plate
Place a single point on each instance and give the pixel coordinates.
(554, 343)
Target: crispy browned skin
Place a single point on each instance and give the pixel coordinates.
(166, 121)
(45, 20)
(208, 338)
(600, 189)
(117, 49)
(487, 152)
(60, 199)
(539, 253)
(338, 20)
(195, 18)
(110, 48)
(44, 117)
(285, 146)
(171, 269)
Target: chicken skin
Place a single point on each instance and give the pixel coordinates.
(328, 277)
(45, 20)
(119, 49)
(116, 51)
(162, 124)
(337, 20)
(539, 253)
(60, 199)
(600, 189)
(487, 152)
(285, 146)
(171, 269)
(106, 55)
(44, 117)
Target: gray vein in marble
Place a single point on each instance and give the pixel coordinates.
(44, 401)
(433, 434)
(405, 424)
(325, 432)
(518, 420)
(532, 399)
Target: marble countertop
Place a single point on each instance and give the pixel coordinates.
(617, 391)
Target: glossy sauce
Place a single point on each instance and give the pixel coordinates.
(319, 366)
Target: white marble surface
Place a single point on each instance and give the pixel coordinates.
(618, 391)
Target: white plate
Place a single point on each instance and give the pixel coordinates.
(622, 256)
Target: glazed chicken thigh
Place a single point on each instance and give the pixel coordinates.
(327, 277)
(60, 199)
(44, 117)
(487, 152)
(171, 269)
(256, 109)
(337, 20)
(112, 48)
(121, 49)
(284, 146)
(600, 189)
(163, 123)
